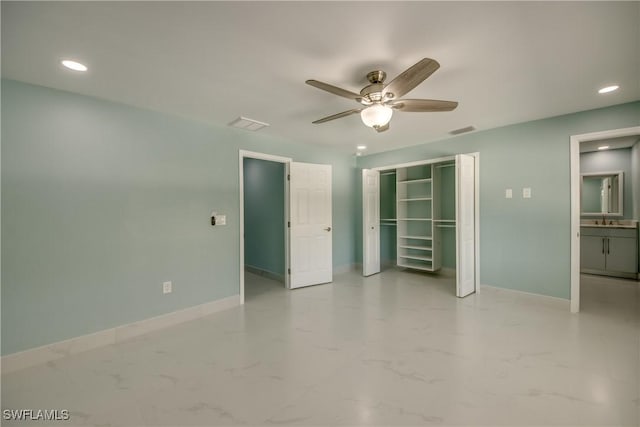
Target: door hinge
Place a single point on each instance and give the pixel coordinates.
(289, 224)
(289, 270)
(288, 177)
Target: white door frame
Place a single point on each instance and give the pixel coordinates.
(574, 164)
(476, 155)
(242, 154)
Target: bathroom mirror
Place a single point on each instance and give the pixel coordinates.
(601, 194)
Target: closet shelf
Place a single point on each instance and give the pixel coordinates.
(446, 226)
(420, 248)
(416, 237)
(414, 219)
(444, 220)
(391, 224)
(416, 267)
(387, 219)
(410, 181)
(415, 199)
(418, 257)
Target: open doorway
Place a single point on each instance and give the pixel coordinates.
(605, 208)
(264, 257)
(264, 228)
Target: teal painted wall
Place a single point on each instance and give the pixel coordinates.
(524, 243)
(102, 202)
(264, 215)
(388, 230)
(607, 161)
(448, 211)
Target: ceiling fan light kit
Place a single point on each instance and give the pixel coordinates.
(376, 115)
(379, 100)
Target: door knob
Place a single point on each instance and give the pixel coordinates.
(328, 229)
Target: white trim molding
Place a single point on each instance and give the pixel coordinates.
(50, 352)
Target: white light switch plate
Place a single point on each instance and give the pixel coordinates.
(221, 220)
(167, 287)
(526, 193)
(508, 193)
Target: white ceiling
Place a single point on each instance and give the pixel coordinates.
(613, 143)
(504, 62)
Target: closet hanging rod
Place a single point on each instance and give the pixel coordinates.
(445, 226)
(388, 173)
(444, 220)
(446, 166)
(388, 223)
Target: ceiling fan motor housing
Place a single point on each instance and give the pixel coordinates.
(373, 92)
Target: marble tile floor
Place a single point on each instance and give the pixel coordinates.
(397, 348)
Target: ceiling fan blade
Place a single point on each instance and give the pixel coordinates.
(335, 90)
(337, 116)
(423, 105)
(381, 128)
(411, 78)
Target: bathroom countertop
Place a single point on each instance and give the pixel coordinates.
(608, 226)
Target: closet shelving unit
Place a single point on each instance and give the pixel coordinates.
(414, 195)
(429, 210)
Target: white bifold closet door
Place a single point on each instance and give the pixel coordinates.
(370, 222)
(310, 218)
(465, 225)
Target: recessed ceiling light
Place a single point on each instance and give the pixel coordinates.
(361, 147)
(73, 65)
(603, 147)
(608, 89)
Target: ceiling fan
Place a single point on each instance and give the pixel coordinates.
(379, 100)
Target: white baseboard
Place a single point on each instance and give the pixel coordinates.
(54, 351)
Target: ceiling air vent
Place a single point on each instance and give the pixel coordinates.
(462, 130)
(248, 124)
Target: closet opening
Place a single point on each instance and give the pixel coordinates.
(423, 217)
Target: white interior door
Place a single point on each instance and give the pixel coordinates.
(465, 221)
(370, 222)
(310, 216)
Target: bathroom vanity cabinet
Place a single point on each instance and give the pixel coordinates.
(609, 251)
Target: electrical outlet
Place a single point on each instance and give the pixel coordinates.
(526, 193)
(167, 287)
(221, 220)
(508, 193)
